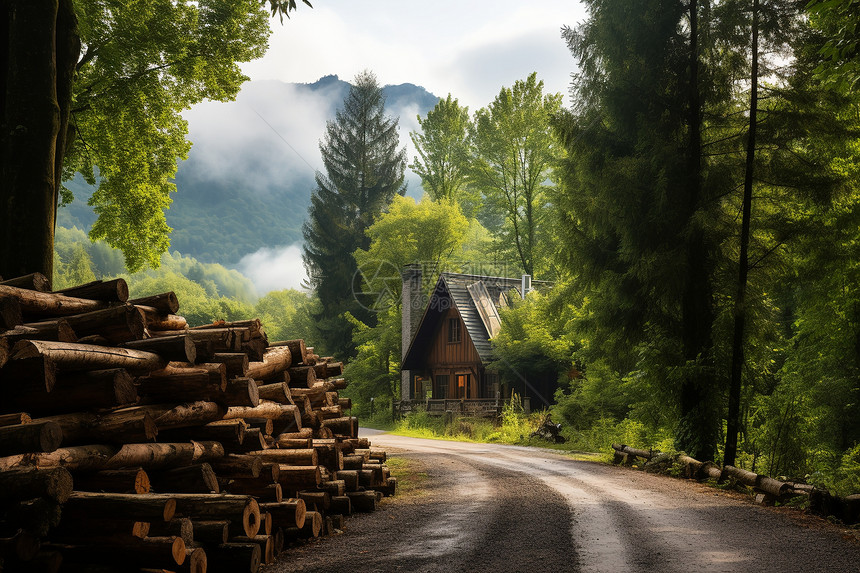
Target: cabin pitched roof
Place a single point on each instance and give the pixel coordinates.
(484, 298)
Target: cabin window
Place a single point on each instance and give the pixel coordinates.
(453, 330)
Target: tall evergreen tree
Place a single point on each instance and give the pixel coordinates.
(364, 170)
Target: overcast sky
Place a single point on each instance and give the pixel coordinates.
(470, 48)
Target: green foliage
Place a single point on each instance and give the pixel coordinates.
(142, 64)
(364, 171)
(287, 315)
(515, 152)
(445, 151)
(839, 23)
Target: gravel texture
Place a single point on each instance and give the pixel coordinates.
(495, 508)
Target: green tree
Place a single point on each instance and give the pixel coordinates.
(515, 152)
(839, 23)
(364, 171)
(287, 315)
(109, 79)
(444, 151)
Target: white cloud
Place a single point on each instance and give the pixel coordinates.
(274, 268)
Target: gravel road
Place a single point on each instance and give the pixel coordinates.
(497, 508)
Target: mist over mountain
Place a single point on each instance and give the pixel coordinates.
(244, 190)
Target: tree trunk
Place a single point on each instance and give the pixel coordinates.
(142, 507)
(733, 421)
(131, 480)
(115, 290)
(73, 356)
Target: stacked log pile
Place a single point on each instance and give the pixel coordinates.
(767, 490)
(131, 441)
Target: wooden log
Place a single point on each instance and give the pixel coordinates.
(14, 419)
(316, 500)
(53, 483)
(141, 507)
(78, 392)
(22, 546)
(363, 500)
(72, 526)
(58, 330)
(164, 322)
(345, 403)
(316, 395)
(340, 504)
(325, 370)
(196, 560)
(293, 443)
(166, 552)
(211, 531)
(198, 413)
(310, 358)
(222, 339)
(267, 548)
(389, 488)
(114, 290)
(740, 475)
(10, 313)
(771, 486)
(36, 436)
(179, 348)
(236, 363)
(330, 455)
(234, 558)
(239, 466)
(287, 513)
(195, 384)
(165, 303)
(311, 528)
(197, 478)
(294, 478)
(225, 431)
(175, 372)
(646, 454)
(345, 426)
(334, 487)
(44, 304)
(349, 477)
(302, 433)
(28, 374)
(253, 325)
(242, 392)
(73, 356)
(275, 360)
(129, 480)
(333, 524)
(33, 281)
(266, 409)
(264, 492)
(116, 324)
(253, 441)
(330, 412)
(76, 458)
(265, 425)
(152, 456)
(290, 457)
(4, 353)
(278, 392)
(181, 527)
(120, 426)
(302, 376)
(240, 509)
(297, 349)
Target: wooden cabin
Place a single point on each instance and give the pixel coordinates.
(447, 350)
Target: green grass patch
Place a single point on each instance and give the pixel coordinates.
(411, 480)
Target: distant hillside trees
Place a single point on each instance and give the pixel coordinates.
(364, 170)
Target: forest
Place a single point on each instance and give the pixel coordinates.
(697, 209)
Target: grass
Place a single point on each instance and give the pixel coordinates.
(411, 479)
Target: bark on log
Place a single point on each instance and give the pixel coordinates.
(334, 488)
(130, 480)
(294, 478)
(316, 500)
(181, 527)
(211, 531)
(141, 507)
(185, 386)
(278, 392)
(166, 552)
(234, 558)
(265, 409)
(287, 513)
(72, 356)
(120, 426)
(303, 433)
(340, 504)
(236, 363)
(291, 457)
(311, 528)
(339, 383)
(58, 330)
(96, 389)
(163, 322)
(253, 441)
(293, 443)
(225, 431)
(10, 313)
(271, 492)
(76, 458)
(173, 348)
(238, 466)
(346, 426)
(297, 349)
(33, 281)
(275, 361)
(349, 477)
(198, 478)
(345, 403)
(164, 303)
(241, 509)
(116, 324)
(114, 290)
(28, 374)
(363, 500)
(267, 548)
(645, 454)
(53, 483)
(302, 376)
(36, 436)
(169, 416)
(14, 418)
(242, 392)
(34, 303)
(38, 515)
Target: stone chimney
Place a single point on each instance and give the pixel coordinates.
(412, 311)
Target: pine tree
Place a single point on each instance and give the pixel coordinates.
(364, 170)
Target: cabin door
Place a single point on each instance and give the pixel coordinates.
(463, 386)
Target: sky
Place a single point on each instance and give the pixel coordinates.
(469, 48)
